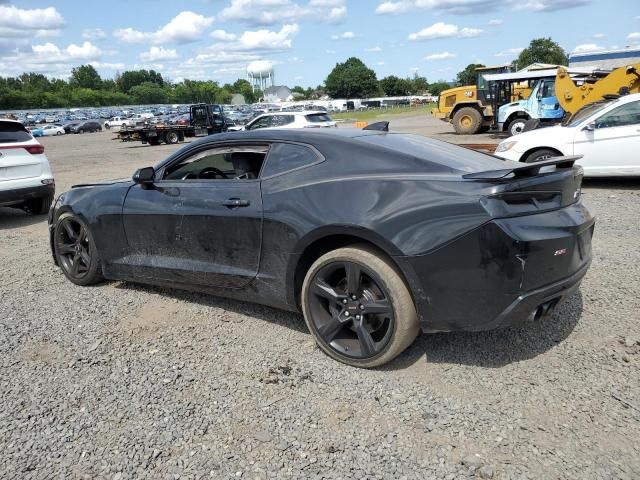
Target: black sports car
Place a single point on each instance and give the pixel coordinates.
(374, 236)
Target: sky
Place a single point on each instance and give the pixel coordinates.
(303, 39)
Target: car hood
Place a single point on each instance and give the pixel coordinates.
(102, 183)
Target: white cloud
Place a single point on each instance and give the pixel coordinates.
(330, 52)
(159, 53)
(35, 19)
(587, 47)
(223, 35)
(344, 36)
(510, 52)
(600, 35)
(547, 5)
(380, 63)
(93, 34)
(267, 39)
(634, 36)
(183, 28)
(373, 49)
(444, 30)
(107, 65)
(440, 56)
(271, 12)
(495, 21)
(86, 51)
(469, 7)
(298, 77)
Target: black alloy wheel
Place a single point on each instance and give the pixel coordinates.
(75, 251)
(351, 311)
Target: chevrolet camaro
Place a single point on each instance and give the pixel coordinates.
(373, 236)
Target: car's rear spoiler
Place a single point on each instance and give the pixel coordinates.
(526, 170)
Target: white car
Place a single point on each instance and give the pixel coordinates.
(606, 133)
(280, 120)
(26, 180)
(48, 130)
(119, 122)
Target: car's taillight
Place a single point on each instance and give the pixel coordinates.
(34, 149)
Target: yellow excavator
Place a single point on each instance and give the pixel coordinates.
(506, 103)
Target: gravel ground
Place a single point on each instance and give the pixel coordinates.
(123, 381)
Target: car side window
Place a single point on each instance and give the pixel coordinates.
(263, 122)
(225, 163)
(281, 120)
(284, 157)
(628, 114)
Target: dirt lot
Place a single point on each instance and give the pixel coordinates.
(124, 381)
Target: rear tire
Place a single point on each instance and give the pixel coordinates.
(39, 206)
(540, 155)
(171, 138)
(366, 331)
(467, 121)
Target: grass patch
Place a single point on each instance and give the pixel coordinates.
(382, 113)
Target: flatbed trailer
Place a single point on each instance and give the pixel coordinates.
(204, 120)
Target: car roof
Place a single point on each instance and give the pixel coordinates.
(2, 119)
(295, 112)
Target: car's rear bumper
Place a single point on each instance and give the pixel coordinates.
(502, 273)
(20, 195)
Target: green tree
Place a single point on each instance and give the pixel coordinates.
(439, 86)
(351, 79)
(85, 76)
(148, 93)
(419, 84)
(395, 86)
(131, 78)
(542, 50)
(468, 75)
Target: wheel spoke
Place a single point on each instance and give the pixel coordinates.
(353, 278)
(84, 256)
(330, 329)
(75, 264)
(70, 232)
(66, 249)
(377, 306)
(367, 345)
(324, 290)
(82, 235)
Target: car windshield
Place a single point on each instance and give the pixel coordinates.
(585, 112)
(13, 132)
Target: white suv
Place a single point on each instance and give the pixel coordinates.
(26, 180)
(279, 120)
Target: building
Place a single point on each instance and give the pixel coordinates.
(605, 59)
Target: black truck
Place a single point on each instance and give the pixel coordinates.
(204, 120)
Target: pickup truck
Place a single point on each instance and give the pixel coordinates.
(120, 122)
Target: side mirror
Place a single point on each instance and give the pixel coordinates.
(590, 127)
(144, 175)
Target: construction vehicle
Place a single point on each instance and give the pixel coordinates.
(204, 120)
(558, 93)
(469, 108)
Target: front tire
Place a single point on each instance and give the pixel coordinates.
(540, 155)
(467, 121)
(516, 126)
(171, 138)
(75, 250)
(358, 308)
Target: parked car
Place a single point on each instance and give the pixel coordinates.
(88, 126)
(119, 122)
(67, 126)
(36, 132)
(49, 130)
(374, 236)
(26, 180)
(305, 119)
(606, 134)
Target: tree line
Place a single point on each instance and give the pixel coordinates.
(85, 88)
(350, 79)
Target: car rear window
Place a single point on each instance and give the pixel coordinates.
(443, 153)
(318, 117)
(13, 132)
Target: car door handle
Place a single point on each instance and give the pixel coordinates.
(236, 202)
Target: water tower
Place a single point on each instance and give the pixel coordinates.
(260, 75)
